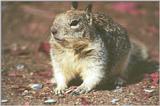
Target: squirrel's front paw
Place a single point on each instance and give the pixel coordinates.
(60, 90)
(81, 90)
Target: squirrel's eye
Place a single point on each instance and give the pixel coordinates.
(74, 24)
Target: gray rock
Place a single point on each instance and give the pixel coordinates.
(19, 66)
(4, 100)
(36, 86)
(50, 101)
(114, 101)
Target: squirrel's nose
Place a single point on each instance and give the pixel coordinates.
(53, 30)
(56, 37)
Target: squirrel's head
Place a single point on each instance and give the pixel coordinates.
(73, 24)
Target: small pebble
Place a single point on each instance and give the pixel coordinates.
(50, 101)
(19, 66)
(119, 90)
(25, 92)
(101, 102)
(77, 103)
(36, 86)
(153, 87)
(117, 87)
(31, 73)
(148, 90)
(114, 101)
(28, 96)
(23, 47)
(4, 100)
(131, 94)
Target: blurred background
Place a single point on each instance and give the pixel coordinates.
(31, 21)
(26, 31)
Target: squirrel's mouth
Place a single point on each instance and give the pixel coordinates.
(59, 39)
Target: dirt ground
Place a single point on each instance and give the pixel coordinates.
(25, 59)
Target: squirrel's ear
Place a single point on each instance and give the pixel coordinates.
(89, 8)
(89, 13)
(74, 5)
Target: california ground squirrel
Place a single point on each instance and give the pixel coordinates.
(91, 46)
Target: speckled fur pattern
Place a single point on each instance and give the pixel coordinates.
(91, 46)
(88, 63)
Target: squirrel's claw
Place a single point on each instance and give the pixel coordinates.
(60, 90)
(81, 90)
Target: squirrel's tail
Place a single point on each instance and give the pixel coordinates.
(139, 62)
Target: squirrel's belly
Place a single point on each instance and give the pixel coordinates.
(71, 66)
